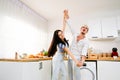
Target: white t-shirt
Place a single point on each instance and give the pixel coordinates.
(79, 48)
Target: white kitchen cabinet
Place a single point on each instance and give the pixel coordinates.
(40, 70)
(10, 71)
(95, 30)
(108, 70)
(37, 70)
(105, 28)
(45, 68)
(109, 27)
(118, 22)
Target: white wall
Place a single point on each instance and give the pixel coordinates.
(77, 21)
(21, 29)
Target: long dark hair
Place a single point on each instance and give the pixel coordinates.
(56, 40)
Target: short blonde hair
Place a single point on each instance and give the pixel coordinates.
(85, 26)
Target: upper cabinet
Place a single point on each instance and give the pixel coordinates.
(94, 29)
(118, 22)
(109, 27)
(101, 29)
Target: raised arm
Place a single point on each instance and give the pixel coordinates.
(66, 21)
(65, 17)
(70, 27)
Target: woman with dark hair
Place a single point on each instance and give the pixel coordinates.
(57, 39)
(58, 47)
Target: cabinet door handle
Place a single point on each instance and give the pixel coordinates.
(94, 37)
(40, 65)
(109, 36)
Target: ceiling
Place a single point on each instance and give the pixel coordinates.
(51, 9)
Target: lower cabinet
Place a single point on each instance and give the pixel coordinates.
(10, 71)
(40, 70)
(108, 70)
(37, 70)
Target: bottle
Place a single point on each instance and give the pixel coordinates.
(16, 55)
